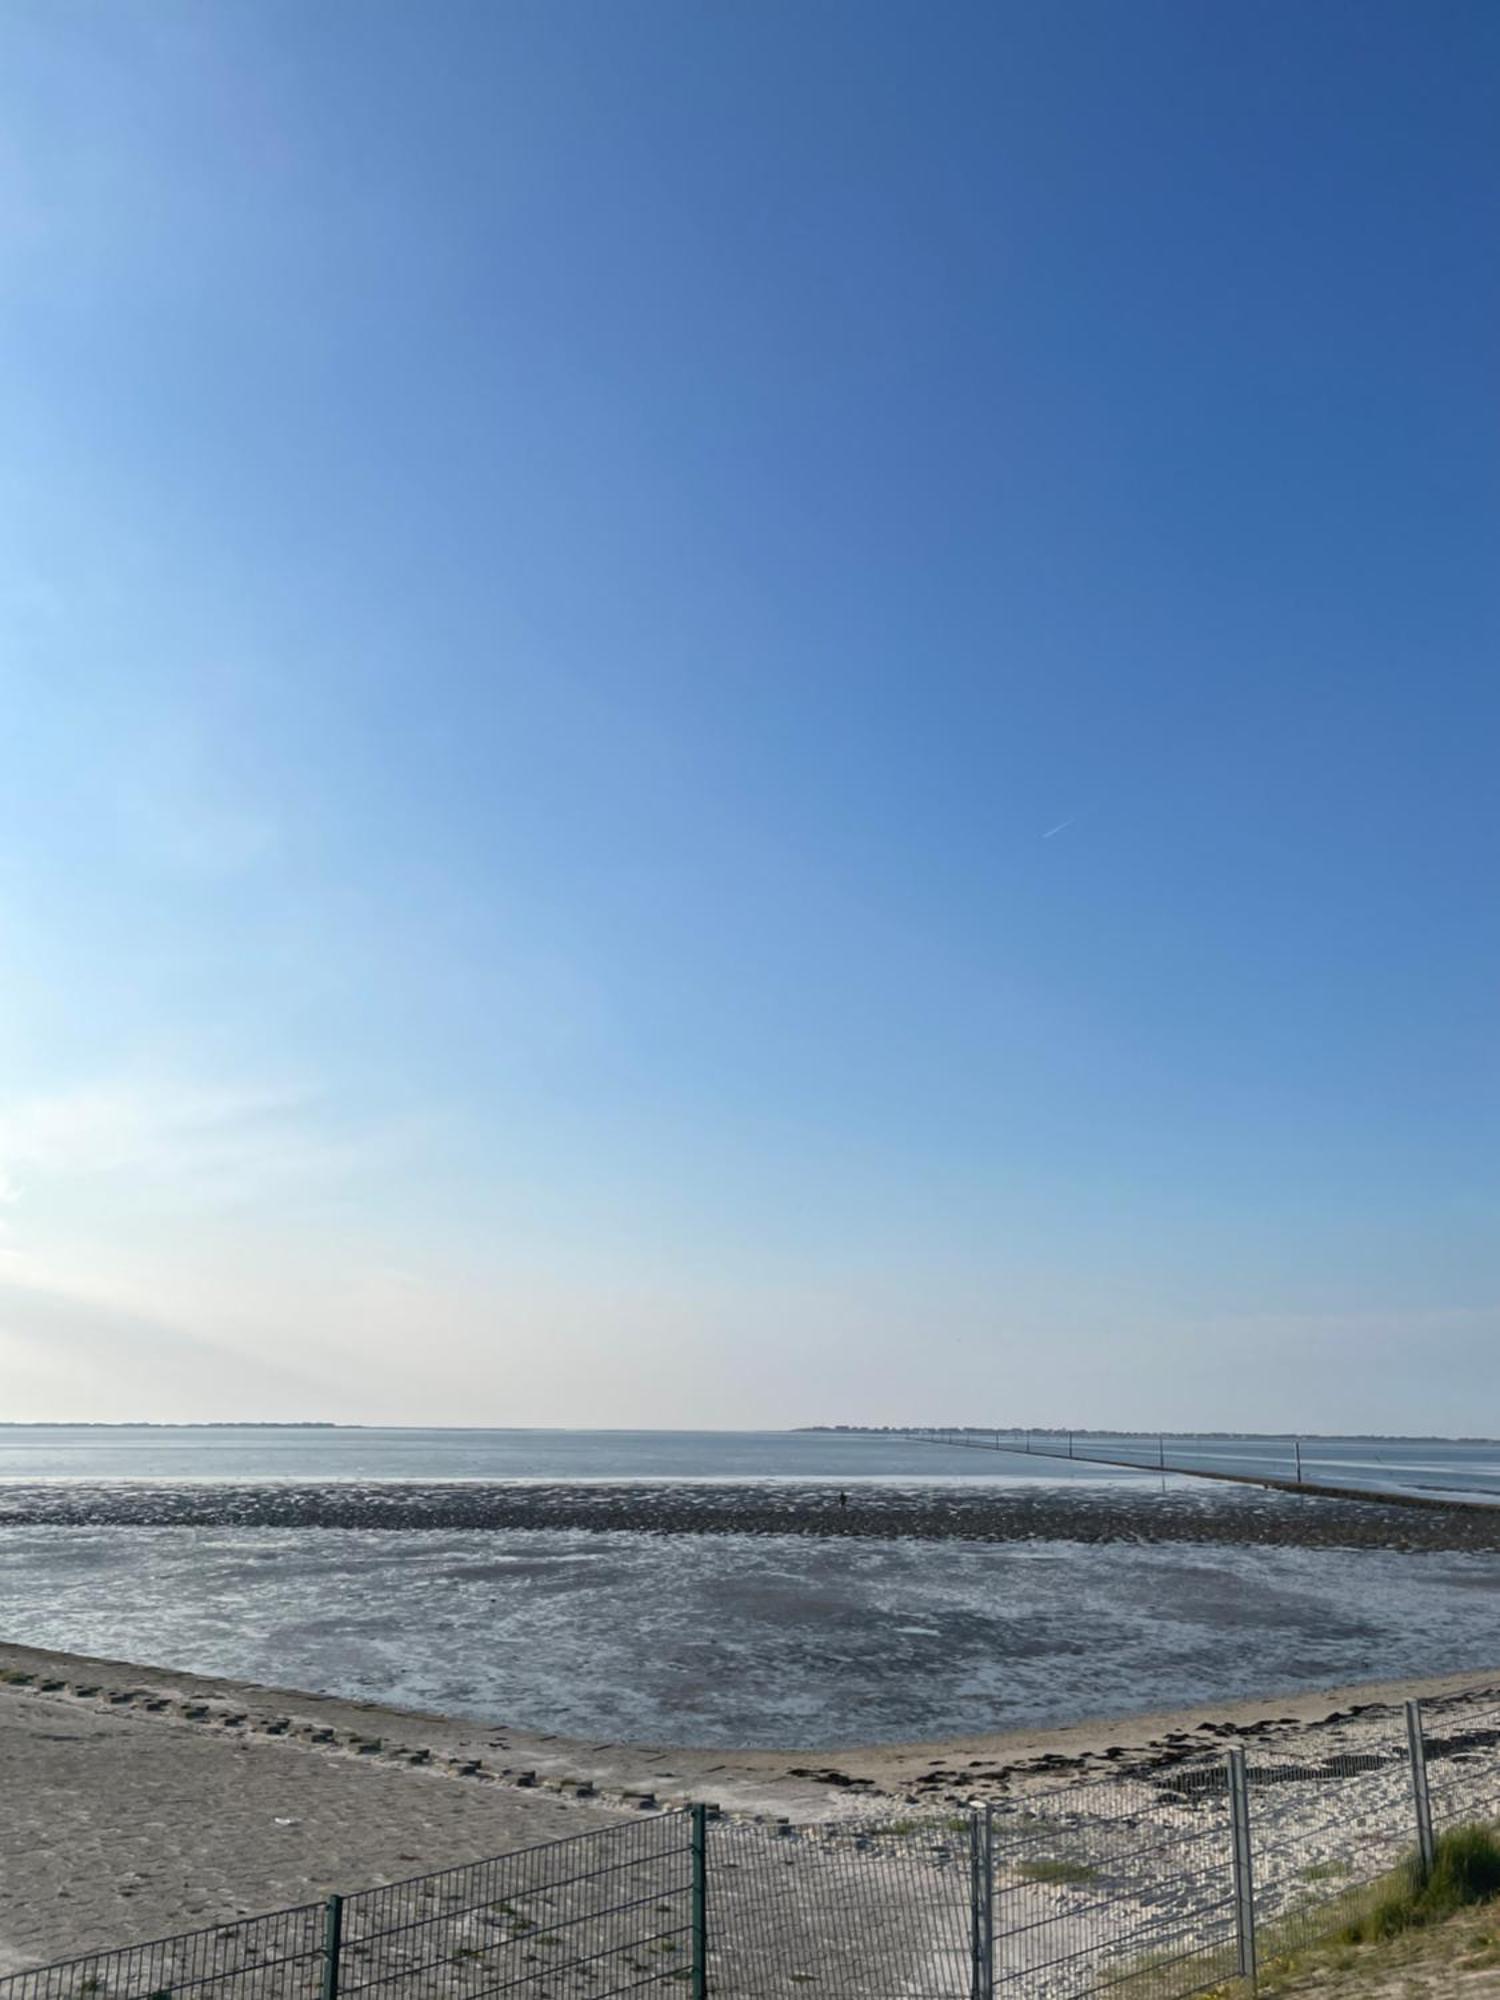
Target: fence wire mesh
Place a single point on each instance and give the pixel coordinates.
(599, 1914)
(1123, 1886)
(602, 1913)
(279, 1957)
(881, 1914)
(1463, 1766)
(1325, 1831)
(1137, 1887)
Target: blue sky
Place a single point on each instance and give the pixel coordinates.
(750, 713)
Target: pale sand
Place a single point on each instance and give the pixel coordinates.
(126, 1821)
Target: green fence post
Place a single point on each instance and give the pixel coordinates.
(333, 1934)
(1240, 1866)
(1416, 1743)
(981, 1903)
(700, 1903)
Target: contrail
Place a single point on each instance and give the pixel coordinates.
(1056, 829)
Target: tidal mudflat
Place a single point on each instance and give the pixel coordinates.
(748, 1640)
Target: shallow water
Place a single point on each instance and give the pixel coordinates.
(775, 1642)
(92, 1453)
(36, 1452)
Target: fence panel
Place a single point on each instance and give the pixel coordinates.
(279, 1957)
(1323, 1831)
(1463, 1768)
(578, 1919)
(1121, 1886)
(881, 1916)
(1124, 1886)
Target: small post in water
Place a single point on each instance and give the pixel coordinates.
(1297, 1447)
(1416, 1744)
(333, 1933)
(700, 1902)
(1244, 1881)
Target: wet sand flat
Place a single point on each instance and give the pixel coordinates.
(1144, 1511)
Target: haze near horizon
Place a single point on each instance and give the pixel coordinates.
(750, 716)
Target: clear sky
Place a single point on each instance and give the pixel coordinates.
(750, 713)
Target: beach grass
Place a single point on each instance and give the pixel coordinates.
(1351, 1950)
(1465, 1871)
(1056, 1870)
(1327, 1871)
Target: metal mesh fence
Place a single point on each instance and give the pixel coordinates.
(602, 1913)
(869, 1915)
(279, 1957)
(1123, 1886)
(1152, 1886)
(1324, 1832)
(1463, 1767)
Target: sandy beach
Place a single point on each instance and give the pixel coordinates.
(141, 1801)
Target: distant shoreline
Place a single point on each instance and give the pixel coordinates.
(923, 1433)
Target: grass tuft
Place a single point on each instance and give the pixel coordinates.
(1327, 1871)
(1465, 1870)
(1057, 1871)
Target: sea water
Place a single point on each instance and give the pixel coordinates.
(728, 1640)
(30, 1452)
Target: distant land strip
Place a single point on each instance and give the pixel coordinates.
(1232, 1513)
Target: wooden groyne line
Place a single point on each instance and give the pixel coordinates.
(1314, 1488)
